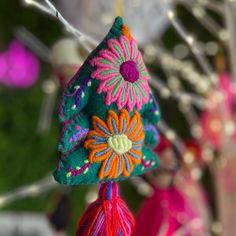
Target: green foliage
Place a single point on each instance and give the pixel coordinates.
(26, 156)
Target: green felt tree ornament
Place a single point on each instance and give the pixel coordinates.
(108, 116)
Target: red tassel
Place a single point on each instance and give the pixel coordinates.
(107, 216)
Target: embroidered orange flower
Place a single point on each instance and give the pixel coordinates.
(116, 144)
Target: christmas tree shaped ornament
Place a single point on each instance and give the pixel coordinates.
(108, 116)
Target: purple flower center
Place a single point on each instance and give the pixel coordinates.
(129, 71)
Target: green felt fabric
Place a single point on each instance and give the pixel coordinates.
(76, 121)
(77, 158)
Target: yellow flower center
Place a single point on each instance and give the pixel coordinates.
(120, 143)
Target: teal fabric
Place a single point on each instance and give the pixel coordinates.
(76, 121)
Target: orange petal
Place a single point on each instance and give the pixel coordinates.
(136, 130)
(113, 173)
(102, 173)
(93, 158)
(136, 113)
(125, 172)
(112, 116)
(135, 160)
(124, 115)
(139, 136)
(103, 130)
(133, 120)
(88, 143)
(94, 133)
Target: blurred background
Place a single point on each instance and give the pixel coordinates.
(189, 49)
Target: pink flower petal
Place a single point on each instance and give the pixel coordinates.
(144, 77)
(138, 59)
(101, 62)
(116, 48)
(139, 103)
(103, 87)
(140, 65)
(121, 103)
(134, 50)
(110, 97)
(109, 56)
(130, 104)
(126, 50)
(107, 71)
(118, 93)
(145, 88)
(97, 74)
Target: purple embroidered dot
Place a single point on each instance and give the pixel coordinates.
(129, 71)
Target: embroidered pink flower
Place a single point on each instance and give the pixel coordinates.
(123, 75)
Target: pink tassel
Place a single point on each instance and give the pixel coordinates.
(107, 216)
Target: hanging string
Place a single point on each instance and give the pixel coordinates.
(118, 8)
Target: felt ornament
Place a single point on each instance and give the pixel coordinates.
(108, 116)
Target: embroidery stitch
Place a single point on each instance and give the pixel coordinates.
(154, 103)
(114, 159)
(80, 91)
(122, 74)
(83, 170)
(152, 128)
(146, 164)
(116, 143)
(79, 135)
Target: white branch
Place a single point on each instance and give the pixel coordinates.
(50, 9)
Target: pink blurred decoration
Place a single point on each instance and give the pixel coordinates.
(167, 213)
(226, 88)
(18, 67)
(193, 147)
(196, 203)
(174, 210)
(211, 128)
(157, 214)
(163, 144)
(212, 120)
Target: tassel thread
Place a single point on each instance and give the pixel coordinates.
(107, 216)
